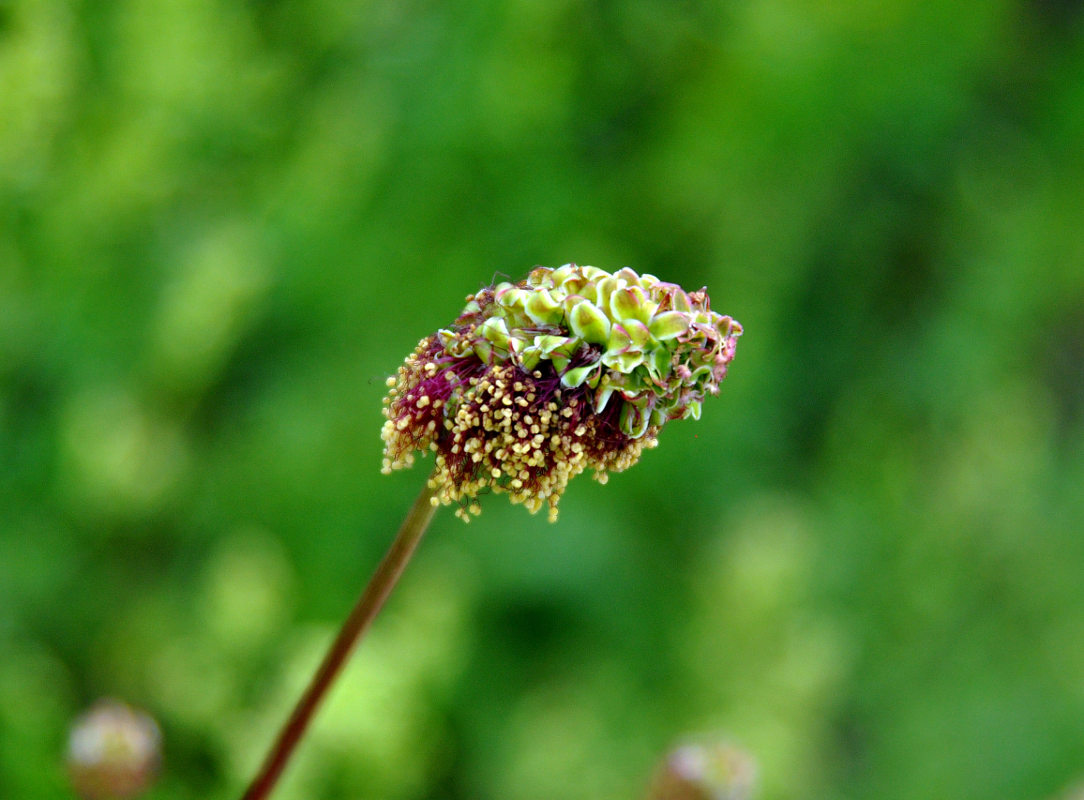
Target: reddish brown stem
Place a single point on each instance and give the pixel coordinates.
(370, 602)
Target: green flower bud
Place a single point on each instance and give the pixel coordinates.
(569, 369)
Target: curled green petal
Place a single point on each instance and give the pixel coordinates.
(638, 332)
(669, 325)
(579, 376)
(512, 297)
(557, 277)
(605, 289)
(483, 348)
(566, 345)
(559, 359)
(527, 358)
(634, 420)
(619, 340)
(658, 365)
(678, 300)
(603, 394)
(630, 277)
(594, 274)
(630, 303)
(496, 331)
(455, 345)
(589, 323)
(624, 362)
(543, 308)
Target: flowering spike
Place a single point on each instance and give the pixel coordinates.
(569, 369)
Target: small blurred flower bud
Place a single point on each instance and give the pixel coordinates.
(1074, 792)
(710, 770)
(113, 752)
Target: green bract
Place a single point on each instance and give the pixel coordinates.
(570, 369)
(650, 343)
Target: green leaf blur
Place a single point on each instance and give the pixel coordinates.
(224, 223)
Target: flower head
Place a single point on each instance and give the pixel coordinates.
(569, 369)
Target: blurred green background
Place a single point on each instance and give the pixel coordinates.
(224, 223)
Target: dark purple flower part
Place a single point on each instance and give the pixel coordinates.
(569, 369)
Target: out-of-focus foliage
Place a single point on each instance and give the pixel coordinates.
(223, 223)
